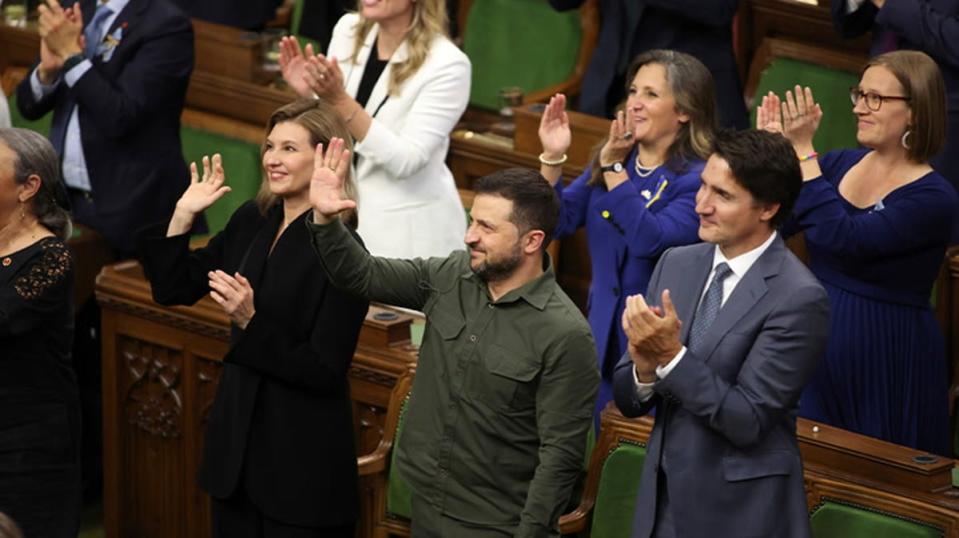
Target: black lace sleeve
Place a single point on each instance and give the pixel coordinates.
(41, 289)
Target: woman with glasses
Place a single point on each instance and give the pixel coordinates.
(638, 196)
(877, 222)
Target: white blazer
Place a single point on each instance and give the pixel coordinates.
(408, 203)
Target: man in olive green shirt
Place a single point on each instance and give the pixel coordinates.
(495, 431)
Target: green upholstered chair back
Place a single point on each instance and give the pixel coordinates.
(397, 490)
(840, 519)
(522, 43)
(295, 19)
(830, 88)
(616, 494)
(241, 163)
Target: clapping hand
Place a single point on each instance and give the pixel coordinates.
(768, 114)
(234, 294)
(293, 65)
(326, 187)
(652, 332)
(554, 133)
(801, 117)
(620, 141)
(60, 29)
(325, 78)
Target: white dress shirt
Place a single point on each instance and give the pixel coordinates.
(739, 266)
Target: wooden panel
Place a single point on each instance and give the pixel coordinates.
(229, 52)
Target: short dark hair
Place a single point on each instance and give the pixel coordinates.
(765, 164)
(535, 204)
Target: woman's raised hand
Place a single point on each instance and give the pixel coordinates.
(620, 141)
(293, 65)
(203, 191)
(768, 114)
(326, 187)
(801, 117)
(554, 133)
(325, 78)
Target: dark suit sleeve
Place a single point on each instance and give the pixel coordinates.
(853, 24)
(319, 364)
(707, 12)
(153, 78)
(29, 107)
(933, 32)
(624, 384)
(565, 5)
(784, 354)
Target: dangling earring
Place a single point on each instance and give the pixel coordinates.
(905, 138)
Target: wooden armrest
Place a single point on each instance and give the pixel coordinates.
(374, 462)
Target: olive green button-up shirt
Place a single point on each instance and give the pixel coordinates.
(496, 424)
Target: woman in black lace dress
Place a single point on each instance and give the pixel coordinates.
(39, 414)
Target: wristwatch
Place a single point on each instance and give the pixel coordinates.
(72, 61)
(615, 167)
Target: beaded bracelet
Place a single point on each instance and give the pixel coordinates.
(809, 157)
(557, 162)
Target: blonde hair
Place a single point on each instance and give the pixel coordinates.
(8, 529)
(692, 87)
(323, 123)
(429, 21)
(922, 81)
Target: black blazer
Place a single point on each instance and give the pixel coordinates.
(281, 425)
(702, 28)
(129, 112)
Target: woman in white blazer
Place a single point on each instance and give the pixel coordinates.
(401, 86)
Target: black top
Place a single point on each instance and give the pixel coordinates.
(36, 325)
(281, 425)
(371, 73)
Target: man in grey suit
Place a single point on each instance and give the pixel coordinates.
(738, 326)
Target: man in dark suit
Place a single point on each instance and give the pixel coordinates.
(115, 81)
(724, 356)
(702, 28)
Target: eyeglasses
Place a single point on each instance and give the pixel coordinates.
(873, 100)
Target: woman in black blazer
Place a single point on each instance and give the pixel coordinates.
(279, 458)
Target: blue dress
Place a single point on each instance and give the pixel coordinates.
(885, 372)
(627, 229)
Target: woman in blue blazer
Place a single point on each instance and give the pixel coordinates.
(638, 196)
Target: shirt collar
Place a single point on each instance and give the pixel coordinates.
(740, 264)
(116, 6)
(536, 292)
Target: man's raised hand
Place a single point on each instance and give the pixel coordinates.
(330, 169)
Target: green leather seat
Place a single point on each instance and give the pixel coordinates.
(616, 494)
(241, 163)
(523, 43)
(41, 125)
(830, 88)
(835, 519)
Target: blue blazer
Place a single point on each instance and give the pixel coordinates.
(626, 231)
(129, 112)
(702, 28)
(726, 413)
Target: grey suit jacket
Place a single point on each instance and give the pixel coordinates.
(725, 432)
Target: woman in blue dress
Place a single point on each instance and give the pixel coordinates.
(638, 197)
(877, 223)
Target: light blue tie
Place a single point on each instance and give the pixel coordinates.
(709, 307)
(94, 30)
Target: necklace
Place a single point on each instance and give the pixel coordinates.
(641, 170)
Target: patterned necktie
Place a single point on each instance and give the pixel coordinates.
(93, 32)
(709, 307)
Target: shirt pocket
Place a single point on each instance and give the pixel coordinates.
(505, 379)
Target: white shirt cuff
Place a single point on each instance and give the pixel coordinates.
(73, 75)
(644, 391)
(39, 89)
(853, 5)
